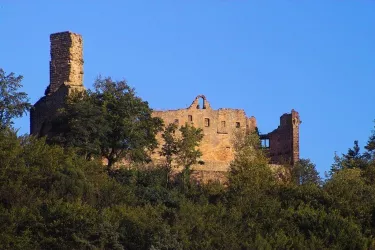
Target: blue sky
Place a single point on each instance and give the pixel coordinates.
(266, 57)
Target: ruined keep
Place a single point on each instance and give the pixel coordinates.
(66, 76)
(219, 126)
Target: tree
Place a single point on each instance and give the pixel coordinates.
(249, 171)
(110, 122)
(304, 172)
(188, 152)
(13, 103)
(169, 148)
(370, 147)
(181, 148)
(350, 160)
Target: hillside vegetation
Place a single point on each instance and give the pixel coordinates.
(56, 193)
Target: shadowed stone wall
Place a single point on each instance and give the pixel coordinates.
(66, 75)
(283, 142)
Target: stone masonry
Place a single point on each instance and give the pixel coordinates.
(66, 75)
(283, 142)
(219, 129)
(219, 126)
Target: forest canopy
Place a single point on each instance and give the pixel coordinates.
(58, 195)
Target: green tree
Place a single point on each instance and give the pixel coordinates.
(353, 159)
(110, 122)
(181, 148)
(304, 172)
(52, 198)
(249, 171)
(370, 147)
(188, 151)
(169, 148)
(13, 103)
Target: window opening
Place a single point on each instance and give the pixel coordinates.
(265, 143)
(206, 122)
(238, 125)
(190, 118)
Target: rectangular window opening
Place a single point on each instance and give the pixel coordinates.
(190, 118)
(206, 122)
(265, 143)
(238, 125)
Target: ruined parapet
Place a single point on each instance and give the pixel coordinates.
(66, 76)
(195, 104)
(283, 142)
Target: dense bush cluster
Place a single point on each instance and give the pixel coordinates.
(60, 196)
(53, 198)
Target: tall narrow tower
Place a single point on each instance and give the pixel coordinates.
(66, 65)
(295, 136)
(66, 75)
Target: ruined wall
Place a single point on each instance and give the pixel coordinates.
(219, 127)
(283, 142)
(66, 76)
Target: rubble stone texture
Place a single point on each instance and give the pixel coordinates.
(219, 126)
(66, 76)
(66, 65)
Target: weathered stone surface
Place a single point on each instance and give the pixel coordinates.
(66, 75)
(219, 127)
(66, 65)
(284, 141)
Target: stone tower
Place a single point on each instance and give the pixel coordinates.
(66, 75)
(283, 142)
(66, 65)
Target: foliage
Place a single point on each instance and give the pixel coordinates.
(13, 103)
(110, 122)
(304, 172)
(181, 149)
(187, 147)
(353, 159)
(72, 203)
(52, 197)
(370, 147)
(170, 147)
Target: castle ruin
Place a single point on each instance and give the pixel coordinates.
(219, 126)
(66, 76)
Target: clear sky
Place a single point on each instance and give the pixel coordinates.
(266, 57)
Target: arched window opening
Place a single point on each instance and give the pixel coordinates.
(201, 103)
